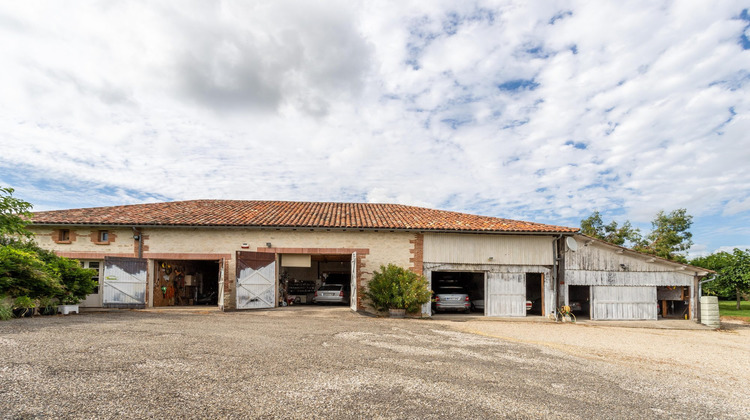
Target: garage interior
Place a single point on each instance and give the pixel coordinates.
(582, 296)
(302, 274)
(674, 302)
(472, 282)
(534, 293)
(186, 283)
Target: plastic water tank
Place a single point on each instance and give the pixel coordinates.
(710, 311)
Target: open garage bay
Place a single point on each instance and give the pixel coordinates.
(306, 362)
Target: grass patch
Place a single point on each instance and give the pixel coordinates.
(729, 308)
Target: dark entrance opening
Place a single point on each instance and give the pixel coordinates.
(186, 283)
(674, 301)
(319, 279)
(579, 300)
(534, 288)
(457, 283)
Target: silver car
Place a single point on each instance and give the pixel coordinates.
(451, 298)
(331, 293)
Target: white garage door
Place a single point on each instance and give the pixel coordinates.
(506, 294)
(624, 303)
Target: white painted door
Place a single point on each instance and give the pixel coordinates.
(256, 280)
(506, 294)
(353, 291)
(94, 300)
(624, 303)
(124, 282)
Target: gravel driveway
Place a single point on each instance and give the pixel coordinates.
(331, 363)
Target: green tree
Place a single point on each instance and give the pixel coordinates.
(670, 235)
(613, 233)
(733, 273)
(14, 214)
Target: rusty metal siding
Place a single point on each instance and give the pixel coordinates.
(624, 303)
(478, 249)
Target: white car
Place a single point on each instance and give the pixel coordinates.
(331, 293)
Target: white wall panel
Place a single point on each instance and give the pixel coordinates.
(624, 303)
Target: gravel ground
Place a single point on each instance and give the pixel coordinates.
(331, 363)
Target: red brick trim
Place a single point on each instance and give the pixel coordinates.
(94, 236)
(314, 251)
(55, 236)
(417, 253)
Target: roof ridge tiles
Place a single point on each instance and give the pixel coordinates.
(258, 213)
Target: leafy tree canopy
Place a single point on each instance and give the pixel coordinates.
(733, 273)
(14, 214)
(619, 235)
(669, 237)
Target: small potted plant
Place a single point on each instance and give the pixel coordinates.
(23, 306)
(397, 290)
(68, 304)
(46, 306)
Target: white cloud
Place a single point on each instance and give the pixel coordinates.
(545, 110)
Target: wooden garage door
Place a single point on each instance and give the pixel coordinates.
(124, 282)
(256, 280)
(506, 294)
(624, 303)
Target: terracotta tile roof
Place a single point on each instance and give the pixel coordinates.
(288, 214)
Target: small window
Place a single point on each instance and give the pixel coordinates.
(64, 235)
(103, 236)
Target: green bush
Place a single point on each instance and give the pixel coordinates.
(23, 273)
(77, 282)
(28, 270)
(396, 288)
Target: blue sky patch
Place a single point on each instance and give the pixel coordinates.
(577, 145)
(744, 41)
(518, 85)
(559, 16)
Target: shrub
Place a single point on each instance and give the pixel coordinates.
(77, 282)
(27, 269)
(396, 288)
(23, 273)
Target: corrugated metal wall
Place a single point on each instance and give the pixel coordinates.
(624, 303)
(477, 249)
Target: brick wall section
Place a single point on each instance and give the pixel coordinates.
(144, 238)
(417, 253)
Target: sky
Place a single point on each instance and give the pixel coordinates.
(533, 110)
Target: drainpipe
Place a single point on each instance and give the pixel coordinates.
(555, 264)
(137, 236)
(700, 293)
